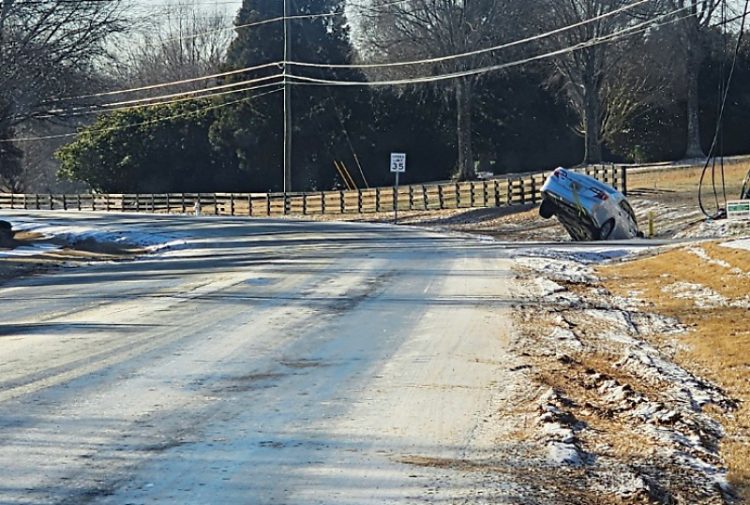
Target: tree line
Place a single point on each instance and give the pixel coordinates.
(462, 87)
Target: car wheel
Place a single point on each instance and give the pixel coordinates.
(606, 229)
(547, 209)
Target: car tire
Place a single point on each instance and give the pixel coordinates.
(546, 209)
(606, 229)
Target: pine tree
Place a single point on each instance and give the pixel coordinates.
(253, 131)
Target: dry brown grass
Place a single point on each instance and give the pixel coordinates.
(685, 179)
(718, 345)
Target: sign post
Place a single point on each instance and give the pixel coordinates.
(398, 166)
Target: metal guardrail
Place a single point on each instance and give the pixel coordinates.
(498, 192)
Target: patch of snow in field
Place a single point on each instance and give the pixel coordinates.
(702, 254)
(704, 297)
(585, 254)
(738, 244)
(717, 229)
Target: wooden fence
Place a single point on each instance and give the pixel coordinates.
(514, 190)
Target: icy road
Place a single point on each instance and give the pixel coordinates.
(256, 362)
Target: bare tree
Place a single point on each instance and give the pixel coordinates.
(700, 15)
(421, 29)
(183, 42)
(48, 50)
(607, 84)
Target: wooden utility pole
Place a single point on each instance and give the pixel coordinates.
(287, 104)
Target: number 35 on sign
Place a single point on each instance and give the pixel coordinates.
(398, 162)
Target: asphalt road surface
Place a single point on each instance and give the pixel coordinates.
(263, 362)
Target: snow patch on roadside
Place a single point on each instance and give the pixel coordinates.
(27, 251)
(127, 236)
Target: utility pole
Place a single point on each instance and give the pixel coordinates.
(287, 104)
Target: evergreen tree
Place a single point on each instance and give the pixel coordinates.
(253, 133)
(150, 150)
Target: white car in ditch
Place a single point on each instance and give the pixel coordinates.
(587, 208)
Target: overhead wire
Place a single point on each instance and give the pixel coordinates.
(152, 101)
(157, 104)
(626, 32)
(143, 123)
(362, 66)
(440, 59)
(192, 93)
(719, 211)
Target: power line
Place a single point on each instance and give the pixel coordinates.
(626, 32)
(171, 83)
(144, 123)
(155, 104)
(360, 66)
(105, 107)
(476, 52)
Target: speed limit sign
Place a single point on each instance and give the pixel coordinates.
(398, 162)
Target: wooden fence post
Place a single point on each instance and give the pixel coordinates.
(471, 195)
(304, 204)
(441, 197)
(533, 189)
(377, 199)
(78, 200)
(268, 204)
(250, 205)
(37, 202)
(65, 202)
(509, 192)
(342, 203)
(153, 203)
(323, 202)
(496, 190)
(623, 180)
(458, 195)
(359, 200)
(426, 197)
(411, 197)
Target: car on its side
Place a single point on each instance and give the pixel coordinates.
(587, 209)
